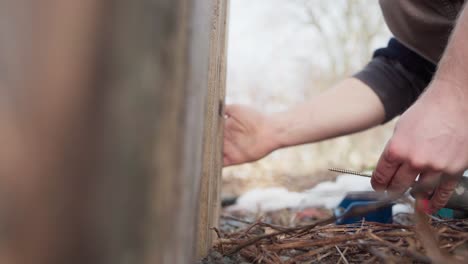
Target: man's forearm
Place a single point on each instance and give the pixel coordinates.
(350, 106)
(453, 66)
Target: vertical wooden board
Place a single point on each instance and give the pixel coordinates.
(209, 201)
(142, 204)
(111, 129)
(166, 60)
(221, 88)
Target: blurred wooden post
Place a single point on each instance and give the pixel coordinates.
(209, 201)
(103, 106)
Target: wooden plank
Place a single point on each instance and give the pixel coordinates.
(220, 84)
(209, 201)
(104, 125)
(158, 80)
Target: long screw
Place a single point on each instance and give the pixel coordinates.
(350, 172)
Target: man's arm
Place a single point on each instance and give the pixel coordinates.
(431, 138)
(348, 107)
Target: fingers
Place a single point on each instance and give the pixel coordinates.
(443, 192)
(426, 184)
(233, 154)
(397, 170)
(229, 153)
(423, 189)
(387, 166)
(403, 179)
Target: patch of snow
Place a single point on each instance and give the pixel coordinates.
(268, 199)
(326, 194)
(402, 208)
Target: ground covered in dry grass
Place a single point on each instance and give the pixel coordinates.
(288, 236)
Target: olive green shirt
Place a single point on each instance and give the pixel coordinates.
(399, 73)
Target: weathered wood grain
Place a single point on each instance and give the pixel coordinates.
(209, 201)
(102, 108)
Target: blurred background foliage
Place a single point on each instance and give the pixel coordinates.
(281, 52)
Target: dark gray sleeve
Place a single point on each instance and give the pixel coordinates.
(395, 86)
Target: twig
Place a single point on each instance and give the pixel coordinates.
(320, 257)
(318, 243)
(379, 254)
(309, 254)
(258, 238)
(456, 245)
(342, 255)
(406, 252)
(429, 242)
(229, 217)
(217, 232)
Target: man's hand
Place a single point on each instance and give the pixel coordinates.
(430, 139)
(248, 135)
